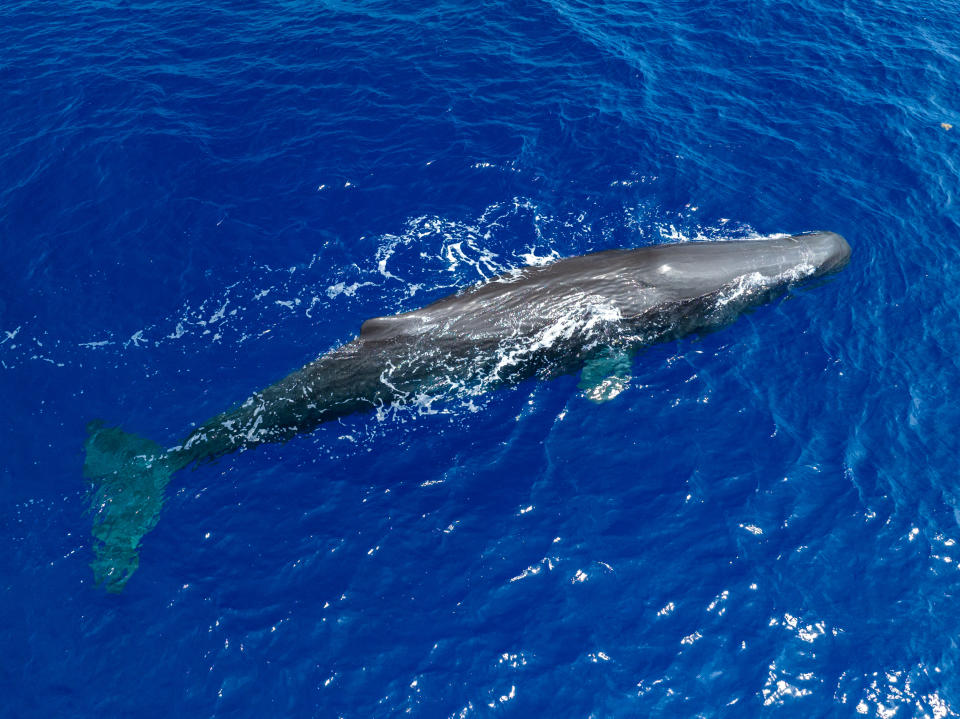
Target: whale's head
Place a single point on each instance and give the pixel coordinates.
(698, 269)
(694, 286)
(826, 252)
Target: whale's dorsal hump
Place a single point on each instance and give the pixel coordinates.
(385, 328)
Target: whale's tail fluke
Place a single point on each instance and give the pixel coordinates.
(128, 476)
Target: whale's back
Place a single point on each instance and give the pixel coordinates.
(613, 284)
(526, 299)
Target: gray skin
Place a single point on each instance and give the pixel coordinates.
(538, 321)
(587, 312)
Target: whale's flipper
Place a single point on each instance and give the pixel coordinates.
(606, 375)
(128, 476)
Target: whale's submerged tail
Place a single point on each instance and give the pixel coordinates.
(128, 476)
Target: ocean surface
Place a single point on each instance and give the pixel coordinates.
(198, 198)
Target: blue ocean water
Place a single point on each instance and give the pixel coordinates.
(196, 199)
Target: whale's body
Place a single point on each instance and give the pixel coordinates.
(536, 321)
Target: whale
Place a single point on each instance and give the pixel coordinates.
(589, 314)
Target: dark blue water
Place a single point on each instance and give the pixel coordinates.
(196, 199)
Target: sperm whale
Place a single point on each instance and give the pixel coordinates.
(586, 313)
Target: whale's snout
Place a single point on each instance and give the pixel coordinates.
(829, 251)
